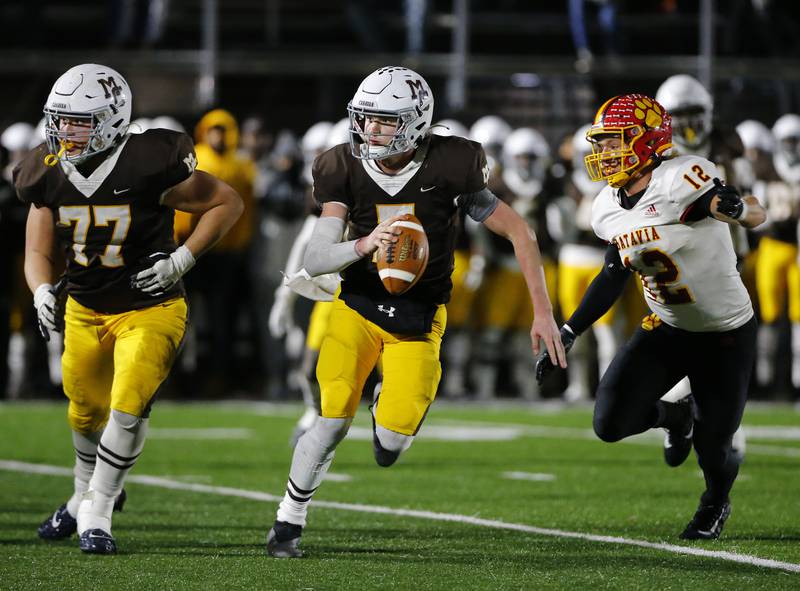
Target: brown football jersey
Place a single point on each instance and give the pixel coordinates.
(447, 168)
(109, 222)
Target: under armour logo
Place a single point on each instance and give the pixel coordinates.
(389, 311)
(191, 162)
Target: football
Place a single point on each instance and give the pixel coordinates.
(402, 263)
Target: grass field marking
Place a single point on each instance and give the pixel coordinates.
(532, 476)
(201, 433)
(14, 466)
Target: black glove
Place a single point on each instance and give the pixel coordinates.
(544, 364)
(730, 201)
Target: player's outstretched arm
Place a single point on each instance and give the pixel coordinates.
(509, 224)
(42, 265)
(729, 206)
(217, 204)
(218, 207)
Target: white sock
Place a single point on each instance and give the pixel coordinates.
(606, 346)
(119, 447)
(312, 457)
(85, 458)
(767, 343)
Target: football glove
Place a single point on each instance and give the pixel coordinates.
(44, 300)
(544, 365)
(164, 273)
(730, 201)
(280, 315)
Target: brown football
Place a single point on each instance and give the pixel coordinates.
(402, 263)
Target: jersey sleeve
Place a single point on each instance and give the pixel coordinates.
(329, 172)
(475, 171)
(29, 177)
(693, 180)
(180, 159)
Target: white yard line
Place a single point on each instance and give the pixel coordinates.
(27, 468)
(532, 476)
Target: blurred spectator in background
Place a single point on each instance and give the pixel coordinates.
(219, 288)
(279, 198)
(761, 27)
(606, 15)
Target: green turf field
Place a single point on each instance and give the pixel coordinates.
(510, 497)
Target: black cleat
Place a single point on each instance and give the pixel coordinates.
(707, 522)
(283, 539)
(59, 526)
(678, 442)
(97, 541)
(62, 525)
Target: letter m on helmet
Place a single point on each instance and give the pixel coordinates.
(110, 87)
(418, 90)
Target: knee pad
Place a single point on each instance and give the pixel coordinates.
(125, 420)
(327, 433)
(388, 445)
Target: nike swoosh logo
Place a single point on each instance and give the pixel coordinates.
(121, 191)
(55, 522)
(426, 189)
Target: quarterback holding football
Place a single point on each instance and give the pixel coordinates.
(392, 166)
(660, 217)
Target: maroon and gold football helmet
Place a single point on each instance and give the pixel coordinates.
(644, 129)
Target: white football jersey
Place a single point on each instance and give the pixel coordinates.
(688, 270)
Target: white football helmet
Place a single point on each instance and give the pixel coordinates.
(338, 134)
(392, 92)
(448, 127)
(526, 157)
(17, 136)
(787, 137)
(96, 94)
(691, 107)
(491, 131)
(756, 135)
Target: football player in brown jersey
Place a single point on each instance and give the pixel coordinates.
(105, 198)
(391, 166)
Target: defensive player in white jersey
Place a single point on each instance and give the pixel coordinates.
(660, 217)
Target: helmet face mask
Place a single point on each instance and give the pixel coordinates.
(691, 107)
(691, 127)
(630, 133)
(396, 100)
(87, 111)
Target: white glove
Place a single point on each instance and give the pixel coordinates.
(165, 273)
(45, 303)
(474, 276)
(319, 288)
(280, 315)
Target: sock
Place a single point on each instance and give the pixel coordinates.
(85, 458)
(119, 447)
(312, 458)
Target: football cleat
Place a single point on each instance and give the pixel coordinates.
(707, 522)
(59, 526)
(62, 525)
(97, 541)
(283, 539)
(678, 442)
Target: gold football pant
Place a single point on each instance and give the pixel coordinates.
(410, 363)
(461, 297)
(777, 278)
(573, 281)
(318, 324)
(117, 361)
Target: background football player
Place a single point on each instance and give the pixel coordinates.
(105, 198)
(580, 256)
(660, 218)
(777, 271)
(430, 177)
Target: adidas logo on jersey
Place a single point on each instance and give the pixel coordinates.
(651, 212)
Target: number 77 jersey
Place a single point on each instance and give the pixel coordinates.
(109, 219)
(687, 265)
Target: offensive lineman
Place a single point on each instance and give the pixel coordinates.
(659, 217)
(391, 166)
(105, 198)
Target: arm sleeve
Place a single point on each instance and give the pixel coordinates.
(325, 252)
(479, 205)
(604, 290)
(699, 209)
